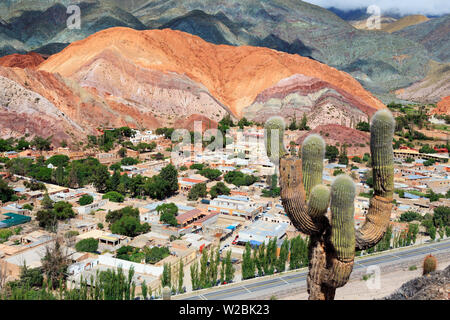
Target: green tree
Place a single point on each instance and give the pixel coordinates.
(166, 277)
(219, 189)
(343, 159)
(427, 149)
(72, 180)
(144, 290)
(41, 144)
(114, 196)
(293, 125)
(59, 175)
(6, 193)
(167, 213)
(211, 174)
(180, 276)
(58, 160)
(197, 166)
(197, 191)
(170, 175)
(304, 123)
(87, 245)
(54, 264)
(441, 216)
(331, 153)
(248, 265)
(409, 216)
(100, 178)
(129, 226)
(432, 232)
(85, 200)
(63, 210)
(244, 123)
(229, 268)
(129, 161)
(363, 126)
(114, 181)
(122, 152)
(47, 219)
(46, 202)
(282, 258)
(195, 276)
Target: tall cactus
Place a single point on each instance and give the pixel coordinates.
(333, 238)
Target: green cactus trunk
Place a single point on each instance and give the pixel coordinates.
(313, 150)
(342, 222)
(382, 129)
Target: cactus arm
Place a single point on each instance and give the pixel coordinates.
(341, 243)
(377, 219)
(293, 195)
(313, 152)
(318, 202)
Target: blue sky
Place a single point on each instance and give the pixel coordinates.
(427, 7)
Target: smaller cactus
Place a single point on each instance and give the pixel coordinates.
(274, 133)
(429, 264)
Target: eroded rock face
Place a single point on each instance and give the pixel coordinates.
(30, 60)
(443, 106)
(154, 78)
(432, 88)
(233, 75)
(24, 111)
(321, 102)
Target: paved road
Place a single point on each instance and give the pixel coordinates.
(265, 286)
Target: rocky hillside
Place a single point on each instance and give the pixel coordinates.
(118, 61)
(25, 111)
(154, 78)
(321, 102)
(434, 286)
(380, 61)
(41, 26)
(390, 24)
(434, 35)
(30, 60)
(404, 22)
(443, 106)
(432, 88)
(357, 142)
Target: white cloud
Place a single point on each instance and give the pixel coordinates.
(405, 7)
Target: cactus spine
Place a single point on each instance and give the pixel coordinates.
(429, 264)
(334, 240)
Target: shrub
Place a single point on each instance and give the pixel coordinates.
(114, 196)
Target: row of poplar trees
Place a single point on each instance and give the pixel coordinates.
(263, 260)
(175, 282)
(106, 285)
(212, 270)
